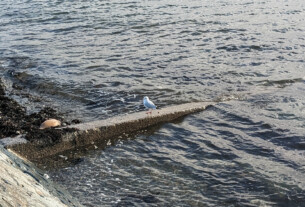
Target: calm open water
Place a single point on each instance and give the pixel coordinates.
(97, 59)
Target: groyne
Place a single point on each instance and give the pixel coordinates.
(85, 134)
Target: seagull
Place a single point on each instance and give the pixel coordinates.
(148, 104)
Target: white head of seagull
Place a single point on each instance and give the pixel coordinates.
(148, 104)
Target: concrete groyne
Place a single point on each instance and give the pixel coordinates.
(104, 130)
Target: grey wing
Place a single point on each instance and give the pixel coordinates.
(150, 104)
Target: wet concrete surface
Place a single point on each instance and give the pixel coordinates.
(22, 184)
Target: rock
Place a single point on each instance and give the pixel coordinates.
(50, 123)
(13, 141)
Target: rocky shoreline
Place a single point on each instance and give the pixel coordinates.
(21, 183)
(15, 121)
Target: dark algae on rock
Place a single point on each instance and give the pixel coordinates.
(15, 121)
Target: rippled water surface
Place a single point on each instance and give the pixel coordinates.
(97, 59)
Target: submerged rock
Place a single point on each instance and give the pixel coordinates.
(6, 142)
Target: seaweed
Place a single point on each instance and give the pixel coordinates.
(15, 121)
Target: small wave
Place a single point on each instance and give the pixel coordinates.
(230, 97)
(246, 48)
(281, 83)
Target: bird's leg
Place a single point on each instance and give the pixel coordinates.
(147, 111)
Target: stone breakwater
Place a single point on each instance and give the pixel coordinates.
(22, 184)
(102, 131)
